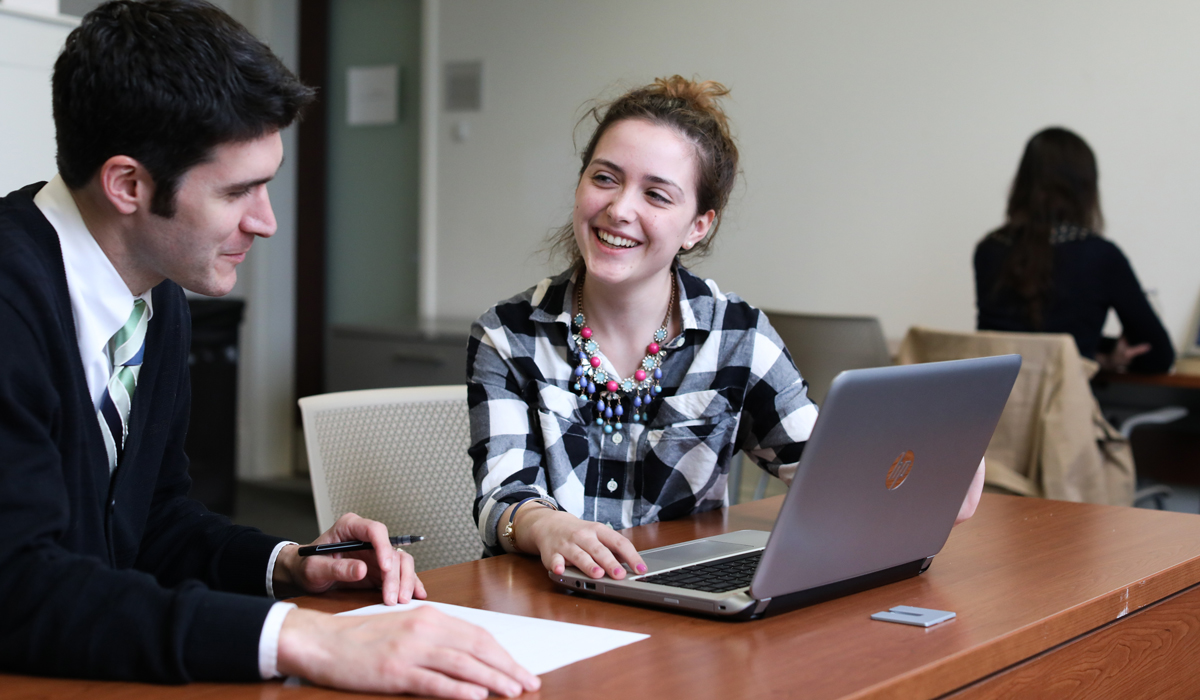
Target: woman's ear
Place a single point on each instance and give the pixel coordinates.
(126, 184)
(700, 229)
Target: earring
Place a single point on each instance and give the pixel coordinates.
(688, 245)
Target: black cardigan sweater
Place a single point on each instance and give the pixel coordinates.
(124, 579)
(1090, 276)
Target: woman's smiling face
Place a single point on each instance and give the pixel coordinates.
(635, 205)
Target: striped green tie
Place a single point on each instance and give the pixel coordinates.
(125, 350)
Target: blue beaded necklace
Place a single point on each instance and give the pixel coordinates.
(610, 392)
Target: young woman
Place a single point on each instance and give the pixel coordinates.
(614, 394)
(1048, 269)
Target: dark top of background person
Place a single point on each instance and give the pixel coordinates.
(1048, 269)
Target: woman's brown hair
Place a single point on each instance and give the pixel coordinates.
(1056, 184)
(691, 108)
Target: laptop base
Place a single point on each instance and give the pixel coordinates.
(762, 608)
(820, 594)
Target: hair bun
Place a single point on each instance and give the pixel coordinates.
(700, 94)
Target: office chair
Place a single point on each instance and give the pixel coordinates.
(398, 456)
(1151, 492)
(822, 347)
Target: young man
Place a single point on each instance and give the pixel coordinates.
(168, 117)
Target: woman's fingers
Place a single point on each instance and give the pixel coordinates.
(621, 546)
(603, 556)
(583, 561)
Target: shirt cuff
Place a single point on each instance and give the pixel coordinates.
(268, 641)
(271, 578)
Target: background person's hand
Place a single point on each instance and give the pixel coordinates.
(382, 567)
(1122, 354)
(422, 651)
(561, 538)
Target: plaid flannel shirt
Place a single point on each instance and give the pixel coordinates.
(728, 383)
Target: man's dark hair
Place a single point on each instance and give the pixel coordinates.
(164, 82)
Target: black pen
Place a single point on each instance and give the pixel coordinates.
(355, 545)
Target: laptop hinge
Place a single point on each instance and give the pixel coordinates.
(762, 605)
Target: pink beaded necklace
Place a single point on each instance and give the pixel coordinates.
(610, 392)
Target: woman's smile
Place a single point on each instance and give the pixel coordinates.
(614, 240)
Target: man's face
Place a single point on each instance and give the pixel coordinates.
(220, 206)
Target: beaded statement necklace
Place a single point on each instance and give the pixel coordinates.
(610, 392)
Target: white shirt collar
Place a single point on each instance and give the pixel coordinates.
(100, 300)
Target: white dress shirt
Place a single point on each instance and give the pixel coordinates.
(101, 303)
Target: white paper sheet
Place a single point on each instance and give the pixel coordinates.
(539, 645)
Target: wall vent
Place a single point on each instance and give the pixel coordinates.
(464, 86)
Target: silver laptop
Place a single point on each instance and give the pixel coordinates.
(875, 495)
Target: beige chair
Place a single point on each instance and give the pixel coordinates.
(398, 456)
(1052, 440)
(822, 347)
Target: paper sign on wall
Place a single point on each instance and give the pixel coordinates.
(371, 95)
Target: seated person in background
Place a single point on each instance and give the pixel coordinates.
(1049, 270)
(167, 117)
(615, 394)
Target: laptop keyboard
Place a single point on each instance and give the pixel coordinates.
(711, 577)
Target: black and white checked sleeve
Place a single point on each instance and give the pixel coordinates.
(505, 450)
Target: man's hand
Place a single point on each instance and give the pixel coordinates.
(383, 567)
(974, 493)
(422, 651)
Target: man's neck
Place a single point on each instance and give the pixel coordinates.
(108, 228)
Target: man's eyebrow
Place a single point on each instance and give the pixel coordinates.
(250, 184)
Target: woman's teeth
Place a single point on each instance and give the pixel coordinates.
(615, 241)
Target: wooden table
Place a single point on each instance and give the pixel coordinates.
(1174, 381)
(1054, 600)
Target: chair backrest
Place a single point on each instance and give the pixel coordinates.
(398, 456)
(824, 346)
(1052, 440)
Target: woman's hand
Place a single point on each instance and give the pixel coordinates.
(974, 493)
(561, 538)
(1118, 360)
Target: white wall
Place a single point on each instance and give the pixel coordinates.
(878, 139)
(267, 282)
(29, 45)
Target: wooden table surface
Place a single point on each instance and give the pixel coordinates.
(1177, 381)
(1054, 599)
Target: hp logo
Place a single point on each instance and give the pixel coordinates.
(900, 470)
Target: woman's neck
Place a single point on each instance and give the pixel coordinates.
(623, 317)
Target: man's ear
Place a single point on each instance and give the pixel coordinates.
(126, 184)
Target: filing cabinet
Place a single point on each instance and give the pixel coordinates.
(420, 354)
